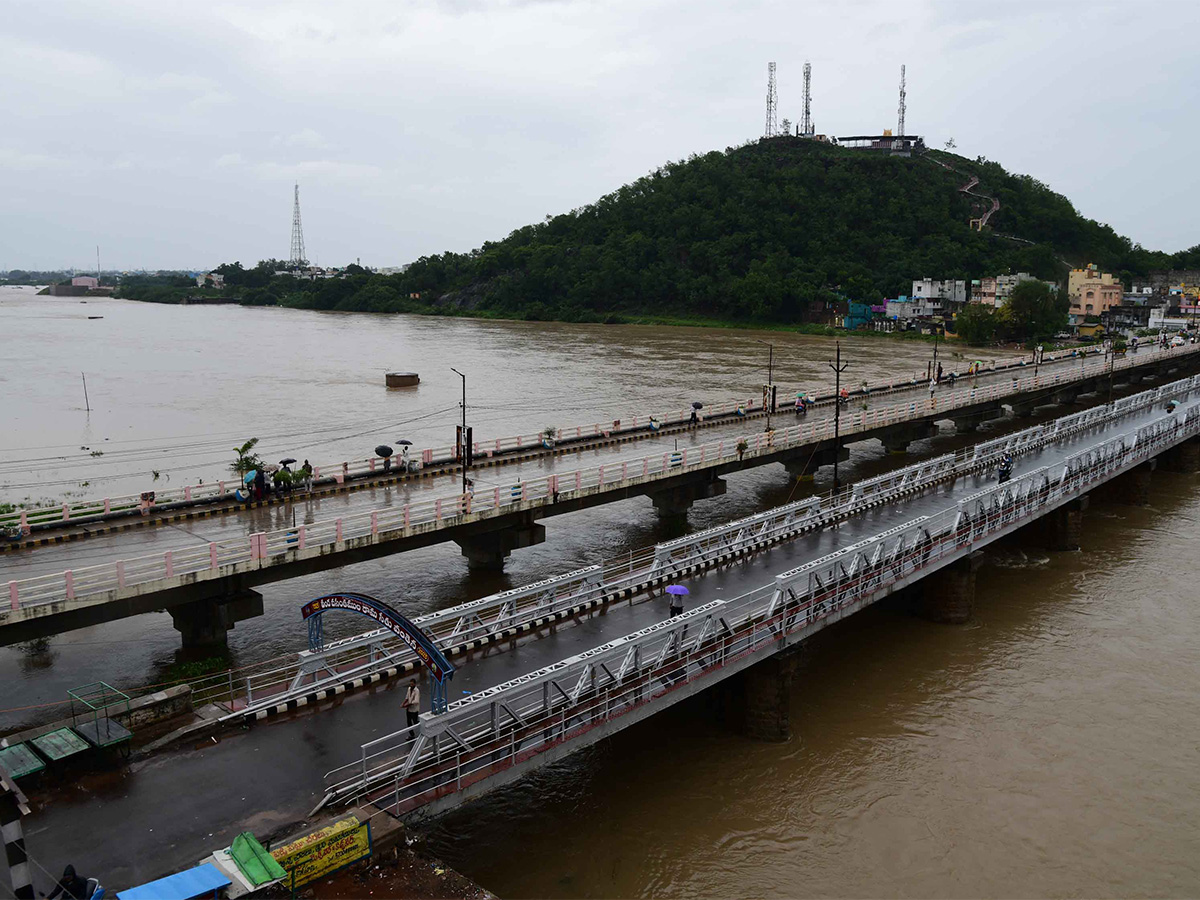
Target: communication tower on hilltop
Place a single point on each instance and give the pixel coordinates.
(297, 259)
(900, 124)
(806, 124)
(772, 103)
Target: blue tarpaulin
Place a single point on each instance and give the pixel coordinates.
(202, 881)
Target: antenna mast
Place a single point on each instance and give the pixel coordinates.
(806, 124)
(297, 253)
(772, 103)
(900, 124)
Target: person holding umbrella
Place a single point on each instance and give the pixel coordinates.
(695, 418)
(677, 592)
(386, 452)
(405, 462)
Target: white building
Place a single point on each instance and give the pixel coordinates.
(948, 291)
(916, 308)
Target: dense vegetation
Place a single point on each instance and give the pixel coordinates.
(768, 232)
(1033, 313)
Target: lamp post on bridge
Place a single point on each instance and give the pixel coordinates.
(838, 368)
(770, 396)
(463, 443)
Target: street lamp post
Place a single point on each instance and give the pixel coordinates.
(838, 369)
(462, 441)
(770, 404)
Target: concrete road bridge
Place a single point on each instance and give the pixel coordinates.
(88, 517)
(554, 667)
(208, 586)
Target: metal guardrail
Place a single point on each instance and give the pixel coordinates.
(497, 734)
(124, 578)
(86, 510)
(510, 611)
(274, 684)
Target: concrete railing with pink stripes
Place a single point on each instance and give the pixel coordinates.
(132, 577)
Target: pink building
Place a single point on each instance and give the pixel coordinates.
(86, 281)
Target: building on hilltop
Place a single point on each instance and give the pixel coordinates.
(893, 145)
(1092, 292)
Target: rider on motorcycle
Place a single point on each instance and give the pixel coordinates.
(1006, 467)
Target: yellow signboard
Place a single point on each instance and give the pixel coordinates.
(324, 851)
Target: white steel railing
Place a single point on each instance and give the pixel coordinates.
(112, 580)
(74, 511)
(497, 734)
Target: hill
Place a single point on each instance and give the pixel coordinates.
(766, 232)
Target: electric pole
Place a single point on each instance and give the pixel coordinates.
(769, 394)
(463, 439)
(838, 368)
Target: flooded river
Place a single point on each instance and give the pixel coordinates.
(1050, 747)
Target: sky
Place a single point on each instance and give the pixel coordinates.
(171, 133)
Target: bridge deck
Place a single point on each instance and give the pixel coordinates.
(229, 786)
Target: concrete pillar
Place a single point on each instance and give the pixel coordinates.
(1023, 409)
(1133, 487)
(1182, 458)
(897, 438)
(675, 502)
(972, 421)
(13, 806)
(948, 595)
(206, 623)
(804, 465)
(1063, 527)
(488, 551)
(767, 696)
(1066, 396)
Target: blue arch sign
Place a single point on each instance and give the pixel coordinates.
(431, 657)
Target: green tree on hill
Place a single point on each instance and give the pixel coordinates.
(1036, 312)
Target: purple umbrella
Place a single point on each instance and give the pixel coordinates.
(677, 589)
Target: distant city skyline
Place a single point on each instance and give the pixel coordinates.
(172, 134)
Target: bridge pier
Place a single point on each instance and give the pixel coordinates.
(1182, 458)
(804, 466)
(971, 421)
(1067, 396)
(897, 438)
(1063, 526)
(487, 551)
(1133, 487)
(674, 503)
(948, 595)
(767, 697)
(1023, 409)
(206, 623)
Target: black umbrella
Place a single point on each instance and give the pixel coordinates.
(697, 405)
(404, 443)
(383, 450)
(287, 462)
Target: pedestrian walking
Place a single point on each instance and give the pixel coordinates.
(676, 605)
(932, 388)
(306, 471)
(939, 373)
(412, 703)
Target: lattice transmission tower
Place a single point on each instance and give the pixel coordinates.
(297, 258)
(772, 128)
(806, 123)
(900, 124)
